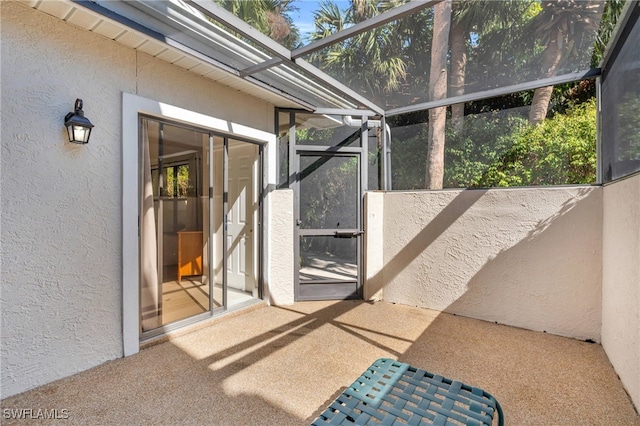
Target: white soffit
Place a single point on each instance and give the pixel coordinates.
(92, 21)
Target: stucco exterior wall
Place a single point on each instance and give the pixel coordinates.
(61, 203)
(373, 242)
(621, 281)
(280, 256)
(529, 258)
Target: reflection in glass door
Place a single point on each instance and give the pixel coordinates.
(175, 222)
(198, 225)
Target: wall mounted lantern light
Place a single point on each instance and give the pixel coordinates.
(78, 126)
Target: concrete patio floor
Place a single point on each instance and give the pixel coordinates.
(283, 365)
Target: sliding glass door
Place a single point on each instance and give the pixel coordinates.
(199, 213)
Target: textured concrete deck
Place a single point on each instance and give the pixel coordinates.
(282, 365)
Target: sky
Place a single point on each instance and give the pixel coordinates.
(303, 17)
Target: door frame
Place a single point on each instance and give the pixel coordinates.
(225, 209)
(361, 152)
(133, 107)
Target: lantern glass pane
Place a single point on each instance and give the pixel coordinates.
(80, 133)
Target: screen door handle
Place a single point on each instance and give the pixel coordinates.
(347, 234)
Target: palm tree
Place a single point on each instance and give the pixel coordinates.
(608, 22)
(376, 61)
(270, 17)
(371, 62)
(562, 26)
(480, 18)
(438, 90)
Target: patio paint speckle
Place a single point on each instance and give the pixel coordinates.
(283, 365)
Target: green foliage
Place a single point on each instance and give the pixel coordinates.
(176, 182)
(557, 151)
(270, 17)
(509, 41)
(408, 156)
(501, 149)
(473, 151)
(608, 22)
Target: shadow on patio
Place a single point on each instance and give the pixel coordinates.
(283, 365)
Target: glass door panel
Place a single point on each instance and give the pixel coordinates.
(328, 225)
(328, 191)
(199, 225)
(327, 258)
(217, 233)
(175, 212)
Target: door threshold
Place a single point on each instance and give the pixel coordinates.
(232, 311)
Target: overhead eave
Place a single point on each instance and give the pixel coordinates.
(121, 22)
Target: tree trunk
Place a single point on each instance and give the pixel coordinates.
(438, 90)
(542, 96)
(435, 159)
(458, 69)
(540, 104)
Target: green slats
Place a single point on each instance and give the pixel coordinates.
(394, 393)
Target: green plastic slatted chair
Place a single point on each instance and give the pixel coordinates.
(394, 393)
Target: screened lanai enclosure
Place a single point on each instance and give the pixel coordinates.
(450, 166)
(449, 89)
(397, 95)
(388, 95)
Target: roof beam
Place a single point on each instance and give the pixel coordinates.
(340, 111)
(335, 84)
(225, 17)
(220, 14)
(261, 66)
(486, 94)
(304, 104)
(388, 16)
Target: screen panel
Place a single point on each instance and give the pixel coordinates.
(620, 137)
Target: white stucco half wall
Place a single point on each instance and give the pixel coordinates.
(373, 243)
(526, 257)
(621, 281)
(280, 250)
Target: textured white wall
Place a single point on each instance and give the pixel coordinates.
(621, 281)
(529, 258)
(61, 203)
(170, 84)
(280, 250)
(374, 241)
